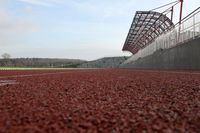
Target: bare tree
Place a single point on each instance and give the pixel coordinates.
(5, 56)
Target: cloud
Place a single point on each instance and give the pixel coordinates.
(13, 26)
(104, 7)
(37, 2)
(47, 3)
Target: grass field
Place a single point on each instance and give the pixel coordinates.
(19, 68)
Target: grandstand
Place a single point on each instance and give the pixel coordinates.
(152, 31)
(146, 27)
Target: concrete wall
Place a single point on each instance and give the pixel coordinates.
(183, 56)
(107, 62)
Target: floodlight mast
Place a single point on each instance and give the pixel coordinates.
(172, 13)
(181, 11)
(180, 18)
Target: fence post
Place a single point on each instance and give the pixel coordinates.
(194, 26)
(199, 29)
(182, 39)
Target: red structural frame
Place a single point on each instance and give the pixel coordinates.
(181, 11)
(145, 28)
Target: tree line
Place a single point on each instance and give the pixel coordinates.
(7, 61)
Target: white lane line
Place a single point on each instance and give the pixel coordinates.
(148, 71)
(31, 75)
(7, 82)
(41, 74)
(172, 72)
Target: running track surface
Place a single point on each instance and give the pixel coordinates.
(100, 100)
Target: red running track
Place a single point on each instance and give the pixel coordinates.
(101, 100)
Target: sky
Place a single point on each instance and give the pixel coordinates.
(78, 29)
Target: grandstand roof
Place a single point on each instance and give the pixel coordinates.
(145, 28)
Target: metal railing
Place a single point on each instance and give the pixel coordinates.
(187, 30)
